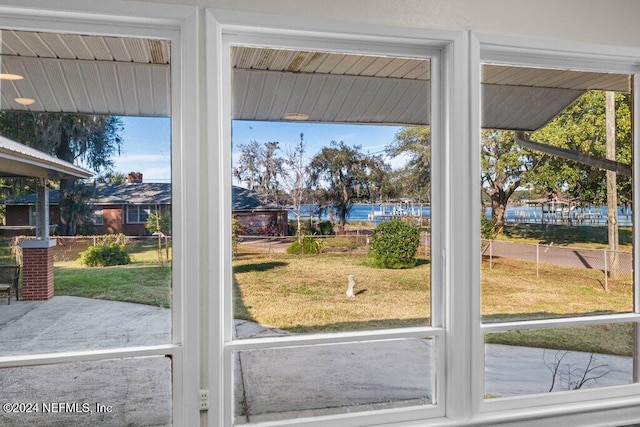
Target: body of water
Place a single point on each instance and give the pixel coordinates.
(377, 213)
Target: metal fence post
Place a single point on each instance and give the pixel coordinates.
(490, 254)
(537, 260)
(606, 276)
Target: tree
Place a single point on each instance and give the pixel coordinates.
(415, 176)
(260, 168)
(90, 140)
(505, 166)
(113, 178)
(582, 127)
(345, 174)
(295, 181)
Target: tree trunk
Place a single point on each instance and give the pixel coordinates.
(498, 213)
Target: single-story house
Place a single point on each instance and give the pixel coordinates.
(117, 208)
(257, 217)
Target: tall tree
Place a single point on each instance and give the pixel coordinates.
(260, 168)
(415, 176)
(88, 140)
(505, 166)
(345, 173)
(582, 127)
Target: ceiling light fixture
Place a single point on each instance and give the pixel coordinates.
(9, 76)
(296, 117)
(25, 101)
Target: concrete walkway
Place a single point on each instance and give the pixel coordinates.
(269, 384)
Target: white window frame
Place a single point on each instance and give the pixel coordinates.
(135, 219)
(97, 216)
(224, 30)
(456, 259)
(179, 24)
(577, 407)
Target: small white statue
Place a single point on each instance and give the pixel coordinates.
(352, 283)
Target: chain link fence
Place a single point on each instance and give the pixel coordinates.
(68, 248)
(612, 264)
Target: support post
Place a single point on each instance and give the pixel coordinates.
(37, 269)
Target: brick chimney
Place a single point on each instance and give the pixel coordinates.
(134, 178)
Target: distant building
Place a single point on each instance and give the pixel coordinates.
(256, 217)
(117, 208)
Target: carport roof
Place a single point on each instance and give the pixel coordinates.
(19, 161)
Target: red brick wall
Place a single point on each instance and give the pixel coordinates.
(37, 273)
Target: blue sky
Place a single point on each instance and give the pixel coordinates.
(146, 148)
(373, 139)
(147, 141)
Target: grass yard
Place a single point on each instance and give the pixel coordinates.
(306, 293)
(510, 291)
(575, 236)
(144, 281)
(140, 283)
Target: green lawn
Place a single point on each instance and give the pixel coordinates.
(145, 280)
(307, 294)
(578, 236)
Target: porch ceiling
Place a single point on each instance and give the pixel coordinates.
(87, 74)
(128, 76)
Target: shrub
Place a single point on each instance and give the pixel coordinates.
(487, 228)
(394, 244)
(236, 230)
(310, 245)
(325, 228)
(104, 255)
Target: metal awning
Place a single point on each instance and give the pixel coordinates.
(19, 161)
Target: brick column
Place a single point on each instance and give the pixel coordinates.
(37, 269)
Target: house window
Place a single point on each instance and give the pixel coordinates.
(558, 287)
(341, 306)
(97, 217)
(156, 349)
(138, 214)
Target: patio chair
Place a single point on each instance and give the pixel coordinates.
(9, 275)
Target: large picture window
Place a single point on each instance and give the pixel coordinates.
(87, 339)
(331, 200)
(558, 286)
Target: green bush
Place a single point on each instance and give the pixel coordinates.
(104, 255)
(394, 244)
(325, 228)
(487, 228)
(310, 245)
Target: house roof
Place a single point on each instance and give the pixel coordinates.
(247, 200)
(112, 194)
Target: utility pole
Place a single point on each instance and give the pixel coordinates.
(612, 190)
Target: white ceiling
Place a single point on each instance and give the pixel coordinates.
(88, 74)
(127, 76)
